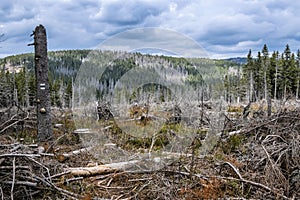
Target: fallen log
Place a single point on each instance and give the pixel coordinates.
(101, 169)
(91, 171)
(120, 166)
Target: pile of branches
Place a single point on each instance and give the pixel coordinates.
(28, 173)
(269, 153)
(16, 117)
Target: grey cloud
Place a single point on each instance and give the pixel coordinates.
(15, 11)
(127, 13)
(221, 27)
(154, 38)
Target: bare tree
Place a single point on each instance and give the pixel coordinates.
(42, 89)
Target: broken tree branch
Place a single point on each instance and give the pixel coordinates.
(14, 179)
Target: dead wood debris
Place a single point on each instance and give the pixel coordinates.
(269, 151)
(261, 161)
(26, 174)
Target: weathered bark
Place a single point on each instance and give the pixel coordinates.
(42, 85)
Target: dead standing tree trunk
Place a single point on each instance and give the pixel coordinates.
(42, 85)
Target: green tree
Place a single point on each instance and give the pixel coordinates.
(285, 65)
(31, 88)
(55, 94)
(68, 94)
(266, 70)
(248, 74)
(288, 73)
(20, 83)
(258, 77)
(6, 89)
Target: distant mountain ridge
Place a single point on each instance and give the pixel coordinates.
(238, 60)
(84, 53)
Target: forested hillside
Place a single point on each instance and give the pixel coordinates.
(268, 75)
(18, 79)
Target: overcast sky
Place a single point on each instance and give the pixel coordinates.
(224, 28)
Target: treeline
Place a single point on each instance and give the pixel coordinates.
(272, 75)
(267, 75)
(275, 76)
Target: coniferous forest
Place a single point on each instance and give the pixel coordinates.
(232, 130)
(260, 75)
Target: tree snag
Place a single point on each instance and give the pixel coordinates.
(43, 102)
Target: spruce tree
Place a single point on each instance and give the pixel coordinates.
(257, 76)
(288, 72)
(248, 73)
(265, 67)
(68, 94)
(5, 89)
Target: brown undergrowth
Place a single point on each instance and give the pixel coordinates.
(255, 158)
